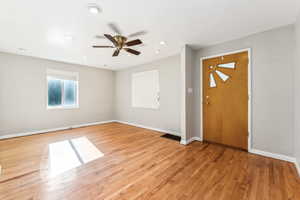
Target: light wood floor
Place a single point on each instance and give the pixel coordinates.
(137, 164)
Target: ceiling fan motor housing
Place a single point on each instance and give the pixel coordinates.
(121, 40)
(120, 43)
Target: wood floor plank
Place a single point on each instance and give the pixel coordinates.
(136, 164)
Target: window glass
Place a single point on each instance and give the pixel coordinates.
(62, 90)
(54, 92)
(223, 76)
(212, 81)
(227, 65)
(70, 88)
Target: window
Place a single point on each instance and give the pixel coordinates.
(62, 89)
(221, 75)
(145, 89)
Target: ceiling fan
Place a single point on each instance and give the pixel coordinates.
(121, 42)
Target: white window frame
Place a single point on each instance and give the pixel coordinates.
(63, 73)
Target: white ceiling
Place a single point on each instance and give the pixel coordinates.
(40, 26)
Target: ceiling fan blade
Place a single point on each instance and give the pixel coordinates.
(132, 51)
(115, 28)
(111, 39)
(103, 46)
(139, 33)
(116, 53)
(133, 42)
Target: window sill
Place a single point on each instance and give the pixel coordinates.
(62, 107)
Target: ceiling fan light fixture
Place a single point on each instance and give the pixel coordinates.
(94, 9)
(68, 37)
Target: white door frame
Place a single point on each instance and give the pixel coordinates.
(249, 92)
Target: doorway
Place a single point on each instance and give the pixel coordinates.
(226, 99)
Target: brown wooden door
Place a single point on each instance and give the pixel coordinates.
(225, 100)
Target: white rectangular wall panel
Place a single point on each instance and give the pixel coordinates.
(145, 89)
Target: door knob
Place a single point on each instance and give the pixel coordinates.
(207, 100)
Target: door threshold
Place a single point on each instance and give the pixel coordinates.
(225, 145)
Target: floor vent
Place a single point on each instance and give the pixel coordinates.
(171, 137)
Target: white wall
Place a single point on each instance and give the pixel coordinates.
(167, 117)
(23, 95)
(297, 92)
(272, 92)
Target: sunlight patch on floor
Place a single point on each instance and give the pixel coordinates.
(68, 154)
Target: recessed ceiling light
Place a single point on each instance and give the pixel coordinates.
(68, 37)
(94, 9)
(162, 43)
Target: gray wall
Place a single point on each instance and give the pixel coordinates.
(272, 92)
(106, 95)
(187, 64)
(297, 92)
(23, 95)
(167, 117)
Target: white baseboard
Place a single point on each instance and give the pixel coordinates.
(256, 151)
(93, 123)
(277, 156)
(151, 128)
(186, 142)
(83, 125)
(52, 129)
(273, 155)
